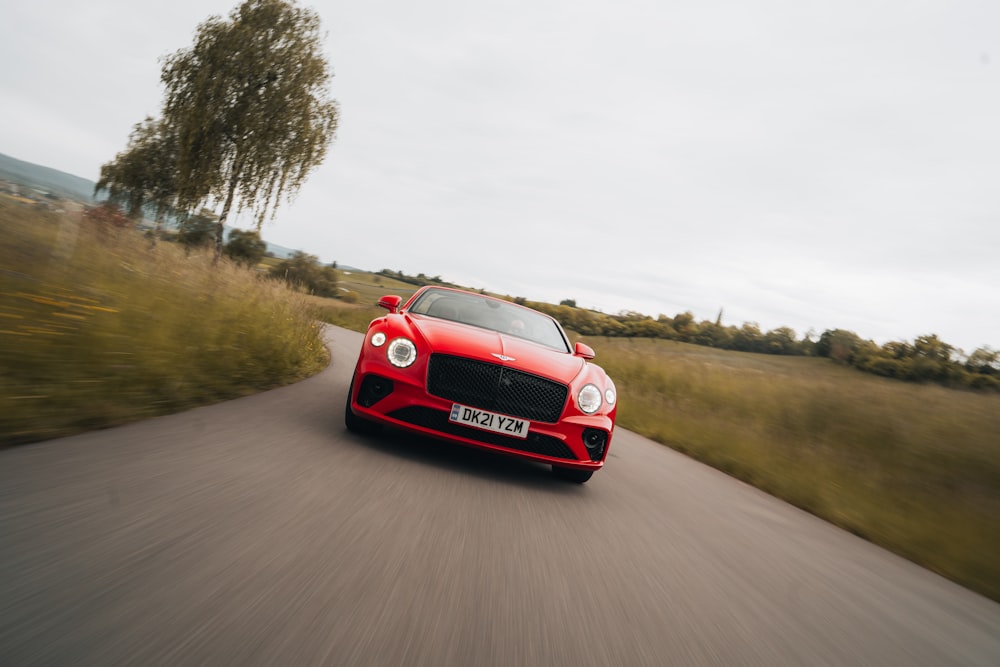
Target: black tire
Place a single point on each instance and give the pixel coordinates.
(356, 424)
(572, 474)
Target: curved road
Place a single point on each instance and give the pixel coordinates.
(258, 532)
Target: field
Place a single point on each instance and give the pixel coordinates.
(914, 468)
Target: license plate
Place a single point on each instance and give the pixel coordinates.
(489, 421)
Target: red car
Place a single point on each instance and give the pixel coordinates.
(484, 372)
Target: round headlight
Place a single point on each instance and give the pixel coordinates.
(610, 395)
(378, 339)
(401, 352)
(589, 399)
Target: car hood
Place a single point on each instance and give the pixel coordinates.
(446, 337)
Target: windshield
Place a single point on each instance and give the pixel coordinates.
(493, 314)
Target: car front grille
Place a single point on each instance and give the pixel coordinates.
(437, 420)
(496, 388)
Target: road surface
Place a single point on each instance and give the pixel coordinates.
(258, 531)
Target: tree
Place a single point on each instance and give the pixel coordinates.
(932, 347)
(838, 344)
(748, 338)
(304, 270)
(144, 174)
(197, 231)
(248, 103)
(685, 326)
(780, 341)
(985, 361)
(245, 247)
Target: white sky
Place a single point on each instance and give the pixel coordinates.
(795, 163)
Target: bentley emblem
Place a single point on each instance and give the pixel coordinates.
(503, 357)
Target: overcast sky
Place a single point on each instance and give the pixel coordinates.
(815, 165)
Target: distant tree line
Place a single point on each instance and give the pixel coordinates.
(926, 359)
(419, 280)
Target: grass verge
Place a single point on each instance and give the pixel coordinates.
(913, 468)
(98, 329)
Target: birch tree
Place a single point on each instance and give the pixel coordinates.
(143, 176)
(249, 104)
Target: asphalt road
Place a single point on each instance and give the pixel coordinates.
(259, 532)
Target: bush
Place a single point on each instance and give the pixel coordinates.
(246, 248)
(304, 271)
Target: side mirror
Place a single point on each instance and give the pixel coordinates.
(584, 350)
(390, 303)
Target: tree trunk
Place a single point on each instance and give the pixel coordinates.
(157, 228)
(220, 228)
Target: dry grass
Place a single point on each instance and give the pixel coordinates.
(914, 468)
(97, 329)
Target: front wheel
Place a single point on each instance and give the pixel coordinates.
(572, 474)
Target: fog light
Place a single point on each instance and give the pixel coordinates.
(596, 441)
(373, 389)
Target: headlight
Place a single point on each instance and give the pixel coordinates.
(401, 352)
(589, 399)
(378, 339)
(610, 395)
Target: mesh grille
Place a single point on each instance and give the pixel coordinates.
(496, 388)
(437, 420)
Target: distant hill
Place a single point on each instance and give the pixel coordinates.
(68, 186)
(46, 179)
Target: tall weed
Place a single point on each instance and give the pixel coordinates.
(915, 468)
(98, 328)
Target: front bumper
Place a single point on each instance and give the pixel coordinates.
(389, 396)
